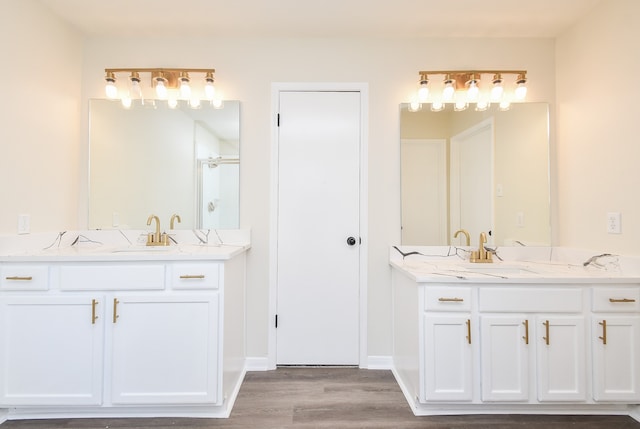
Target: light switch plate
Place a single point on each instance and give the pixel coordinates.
(24, 224)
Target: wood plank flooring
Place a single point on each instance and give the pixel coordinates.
(330, 398)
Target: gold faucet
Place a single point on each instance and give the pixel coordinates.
(156, 239)
(481, 255)
(466, 234)
(174, 218)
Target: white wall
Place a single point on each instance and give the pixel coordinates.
(40, 81)
(598, 114)
(246, 68)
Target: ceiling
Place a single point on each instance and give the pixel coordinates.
(326, 18)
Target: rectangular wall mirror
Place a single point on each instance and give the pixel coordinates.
(481, 171)
(153, 159)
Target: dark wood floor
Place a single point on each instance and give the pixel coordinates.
(330, 398)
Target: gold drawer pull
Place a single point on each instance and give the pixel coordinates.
(621, 300)
(450, 299)
(94, 316)
(115, 310)
(546, 328)
(27, 278)
(526, 331)
(604, 332)
(192, 276)
(469, 331)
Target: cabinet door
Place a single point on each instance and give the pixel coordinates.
(447, 367)
(561, 351)
(616, 358)
(51, 350)
(165, 349)
(505, 358)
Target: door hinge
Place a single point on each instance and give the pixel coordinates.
(276, 320)
(278, 119)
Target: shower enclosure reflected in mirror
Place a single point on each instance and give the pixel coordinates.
(481, 171)
(153, 159)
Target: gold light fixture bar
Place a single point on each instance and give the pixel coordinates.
(454, 83)
(170, 75)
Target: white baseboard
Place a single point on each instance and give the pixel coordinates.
(373, 362)
(379, 362)
(258, 364)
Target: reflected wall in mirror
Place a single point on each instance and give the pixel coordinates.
(481, 171)
(153, 159)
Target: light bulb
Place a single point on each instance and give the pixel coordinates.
(209, 89)
(521, 91)
(110, 89)
(126, 102)
(185, 88)
(423, 90)
(448, 91)
(161, 90)
(482, 105)
(473, 91)
(497, 89)
(437, 106)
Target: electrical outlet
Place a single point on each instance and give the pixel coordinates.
(614, 223)
(520, 219)
(24, 224)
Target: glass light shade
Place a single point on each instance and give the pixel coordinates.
(217, 103)
(448, 91)
(209, 90)
(423, 92)
(194, 103)
(496, 91)
(505, 105)
(460, 105)
(473, 91)
(521, 91)
(126, 102)
(161, 89)
(172, 103)
(111, 90)
(415, 105)
(482, 105)
(135, 92)
(437, 106)
(185, 89)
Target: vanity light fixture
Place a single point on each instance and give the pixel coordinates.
(461, 87)
(173, 85)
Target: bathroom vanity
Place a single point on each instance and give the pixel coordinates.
(539, 332)
(112, 330)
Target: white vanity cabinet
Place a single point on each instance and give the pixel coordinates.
(51, 352)
(532, 334)
(447, 362)
(128, 336)
(615, 338)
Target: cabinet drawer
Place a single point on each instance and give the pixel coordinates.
(195, 276)
(535, 299)
(616, 299)
(24, 277)
(447, 299)
(134, 276)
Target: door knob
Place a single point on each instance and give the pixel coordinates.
(351, 241)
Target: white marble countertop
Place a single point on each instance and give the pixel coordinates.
(118, 245)
(444, 264)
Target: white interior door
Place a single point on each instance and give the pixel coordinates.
(318, 211)
(472, 181)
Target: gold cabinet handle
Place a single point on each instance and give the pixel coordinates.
(526, 332)
(26, 278)
(621, 300)
(450, 299)
(192, 276)
(546, 327)
(94, 316)
(468, 331)
(115, 309)
(604, 332)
